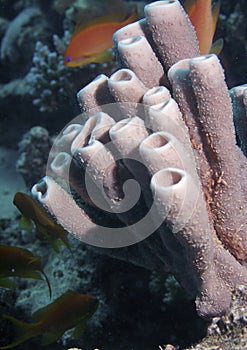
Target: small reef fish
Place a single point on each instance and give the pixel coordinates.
(71, 310)
(19, 262)
(204, 16)
(92, 42)
(46, 228)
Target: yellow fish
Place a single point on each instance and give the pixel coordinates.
(71, 310)
(46, 228)
(91, 42)
(19, 262)
(204, 16)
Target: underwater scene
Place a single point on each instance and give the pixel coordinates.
(123, 174)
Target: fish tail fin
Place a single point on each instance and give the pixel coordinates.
(47, 282)
(7, 283)
(133, 16)
(189, 6)
(23, 331)
(216, 10)
(217, 46)
(215, 14)
(26, 224)
(65, 241)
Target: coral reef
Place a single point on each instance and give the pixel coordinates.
(50, 81)
(228, 331)
(63, 274)
(183, 154)
(33, 72)
(22, 33)
(34, 150)
(126, 304)
(10, 182)
(232, 27)
(140, 307)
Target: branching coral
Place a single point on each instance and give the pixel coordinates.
(49, 80)
(191, 202)
(22, 33)
(33, 149)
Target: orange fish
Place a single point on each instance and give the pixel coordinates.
(92, 42)
(71, 310)
(204, 16)
(46, 228)
(19, 262)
